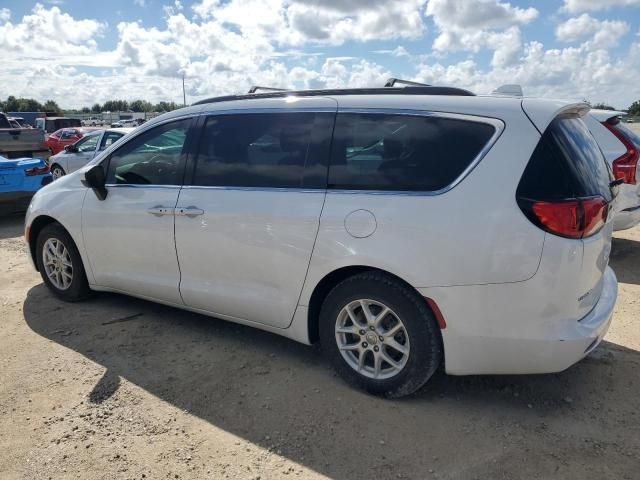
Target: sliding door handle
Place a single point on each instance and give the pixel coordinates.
(159, 210)
(189, 211)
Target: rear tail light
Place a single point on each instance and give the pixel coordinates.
(626, 165)
(572, 218)
(30, 172)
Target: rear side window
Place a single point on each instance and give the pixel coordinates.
(403, 152)
(567, 163)
(272, 150)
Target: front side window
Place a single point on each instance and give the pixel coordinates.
(87, 144)
(68, 134)
(264, 150)
(403, 152)
(153, 158)
(109, 138)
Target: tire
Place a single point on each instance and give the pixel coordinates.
(57, 171)
(54, 235)
(419, 335)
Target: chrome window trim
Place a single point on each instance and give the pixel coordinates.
(497, 124)
(257, 189)
(247, 111)
(140, 185)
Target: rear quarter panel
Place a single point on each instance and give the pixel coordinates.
(472, 234)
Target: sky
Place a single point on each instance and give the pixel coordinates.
(79, 52)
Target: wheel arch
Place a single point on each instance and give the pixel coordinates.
(327, 284)
(34, 231)
(56, 164)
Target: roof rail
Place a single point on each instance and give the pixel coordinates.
(421, 90)
(393, 81)
(255, 88)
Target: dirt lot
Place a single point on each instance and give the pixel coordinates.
(86, 392)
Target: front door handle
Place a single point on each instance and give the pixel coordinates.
(159, 210)
(189, 211)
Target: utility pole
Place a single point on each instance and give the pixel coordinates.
(184, 92)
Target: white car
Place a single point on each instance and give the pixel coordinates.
(621, 147)
(84, 150)
(403, 228)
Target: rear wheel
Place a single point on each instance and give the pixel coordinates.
(57, 172)
(380, 335)
(60, 264)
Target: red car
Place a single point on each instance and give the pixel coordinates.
(63, 137)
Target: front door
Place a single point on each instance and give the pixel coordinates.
(247, 221)
(129, 235)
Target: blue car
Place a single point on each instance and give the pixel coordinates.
(20, 179)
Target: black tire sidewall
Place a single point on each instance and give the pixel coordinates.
(79, 288)
(424, 335)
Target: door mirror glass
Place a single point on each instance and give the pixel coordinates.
(70, 148)
(94, 178)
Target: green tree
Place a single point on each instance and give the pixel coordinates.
(166, 106)
(602, 106)
(86, 110)
(96, 108)
(51, 106)
(115, 106)
(634, 109)
(141, 106)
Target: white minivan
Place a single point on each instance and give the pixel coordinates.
(403, 228)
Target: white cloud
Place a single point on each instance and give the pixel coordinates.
(480, 24)
(603, 33)
(45, 28)
(221, 49)
(575, 6)
(140, 3)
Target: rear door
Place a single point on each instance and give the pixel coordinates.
(247, 220)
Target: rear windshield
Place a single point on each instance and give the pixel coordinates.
(567, 163)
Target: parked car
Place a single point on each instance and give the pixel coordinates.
(621, 147)
(65, 136)
(132, 123)
(80, 153)
(403, 228)
(92, 122)
(52, 124)
(20, 178)
(18, 142)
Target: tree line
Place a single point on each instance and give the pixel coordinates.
(13, 104)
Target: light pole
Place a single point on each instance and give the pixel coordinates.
(184, 92)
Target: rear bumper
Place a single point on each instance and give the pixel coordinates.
(551, 347)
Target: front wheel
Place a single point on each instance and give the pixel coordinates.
(60, 264)
(57, 172)
(380, 335)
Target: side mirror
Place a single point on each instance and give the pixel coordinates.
(70, 148)
(94, 178)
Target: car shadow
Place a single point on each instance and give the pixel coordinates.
(11, 226)
(282, 395)
(625, 259)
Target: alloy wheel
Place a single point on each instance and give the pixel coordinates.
(372, 339)
(57, 263)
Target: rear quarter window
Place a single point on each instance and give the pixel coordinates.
(403, 152)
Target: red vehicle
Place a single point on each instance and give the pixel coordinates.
(65, 136)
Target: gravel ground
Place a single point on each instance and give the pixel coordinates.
(121, 388)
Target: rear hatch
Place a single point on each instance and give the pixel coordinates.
(566, 190)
